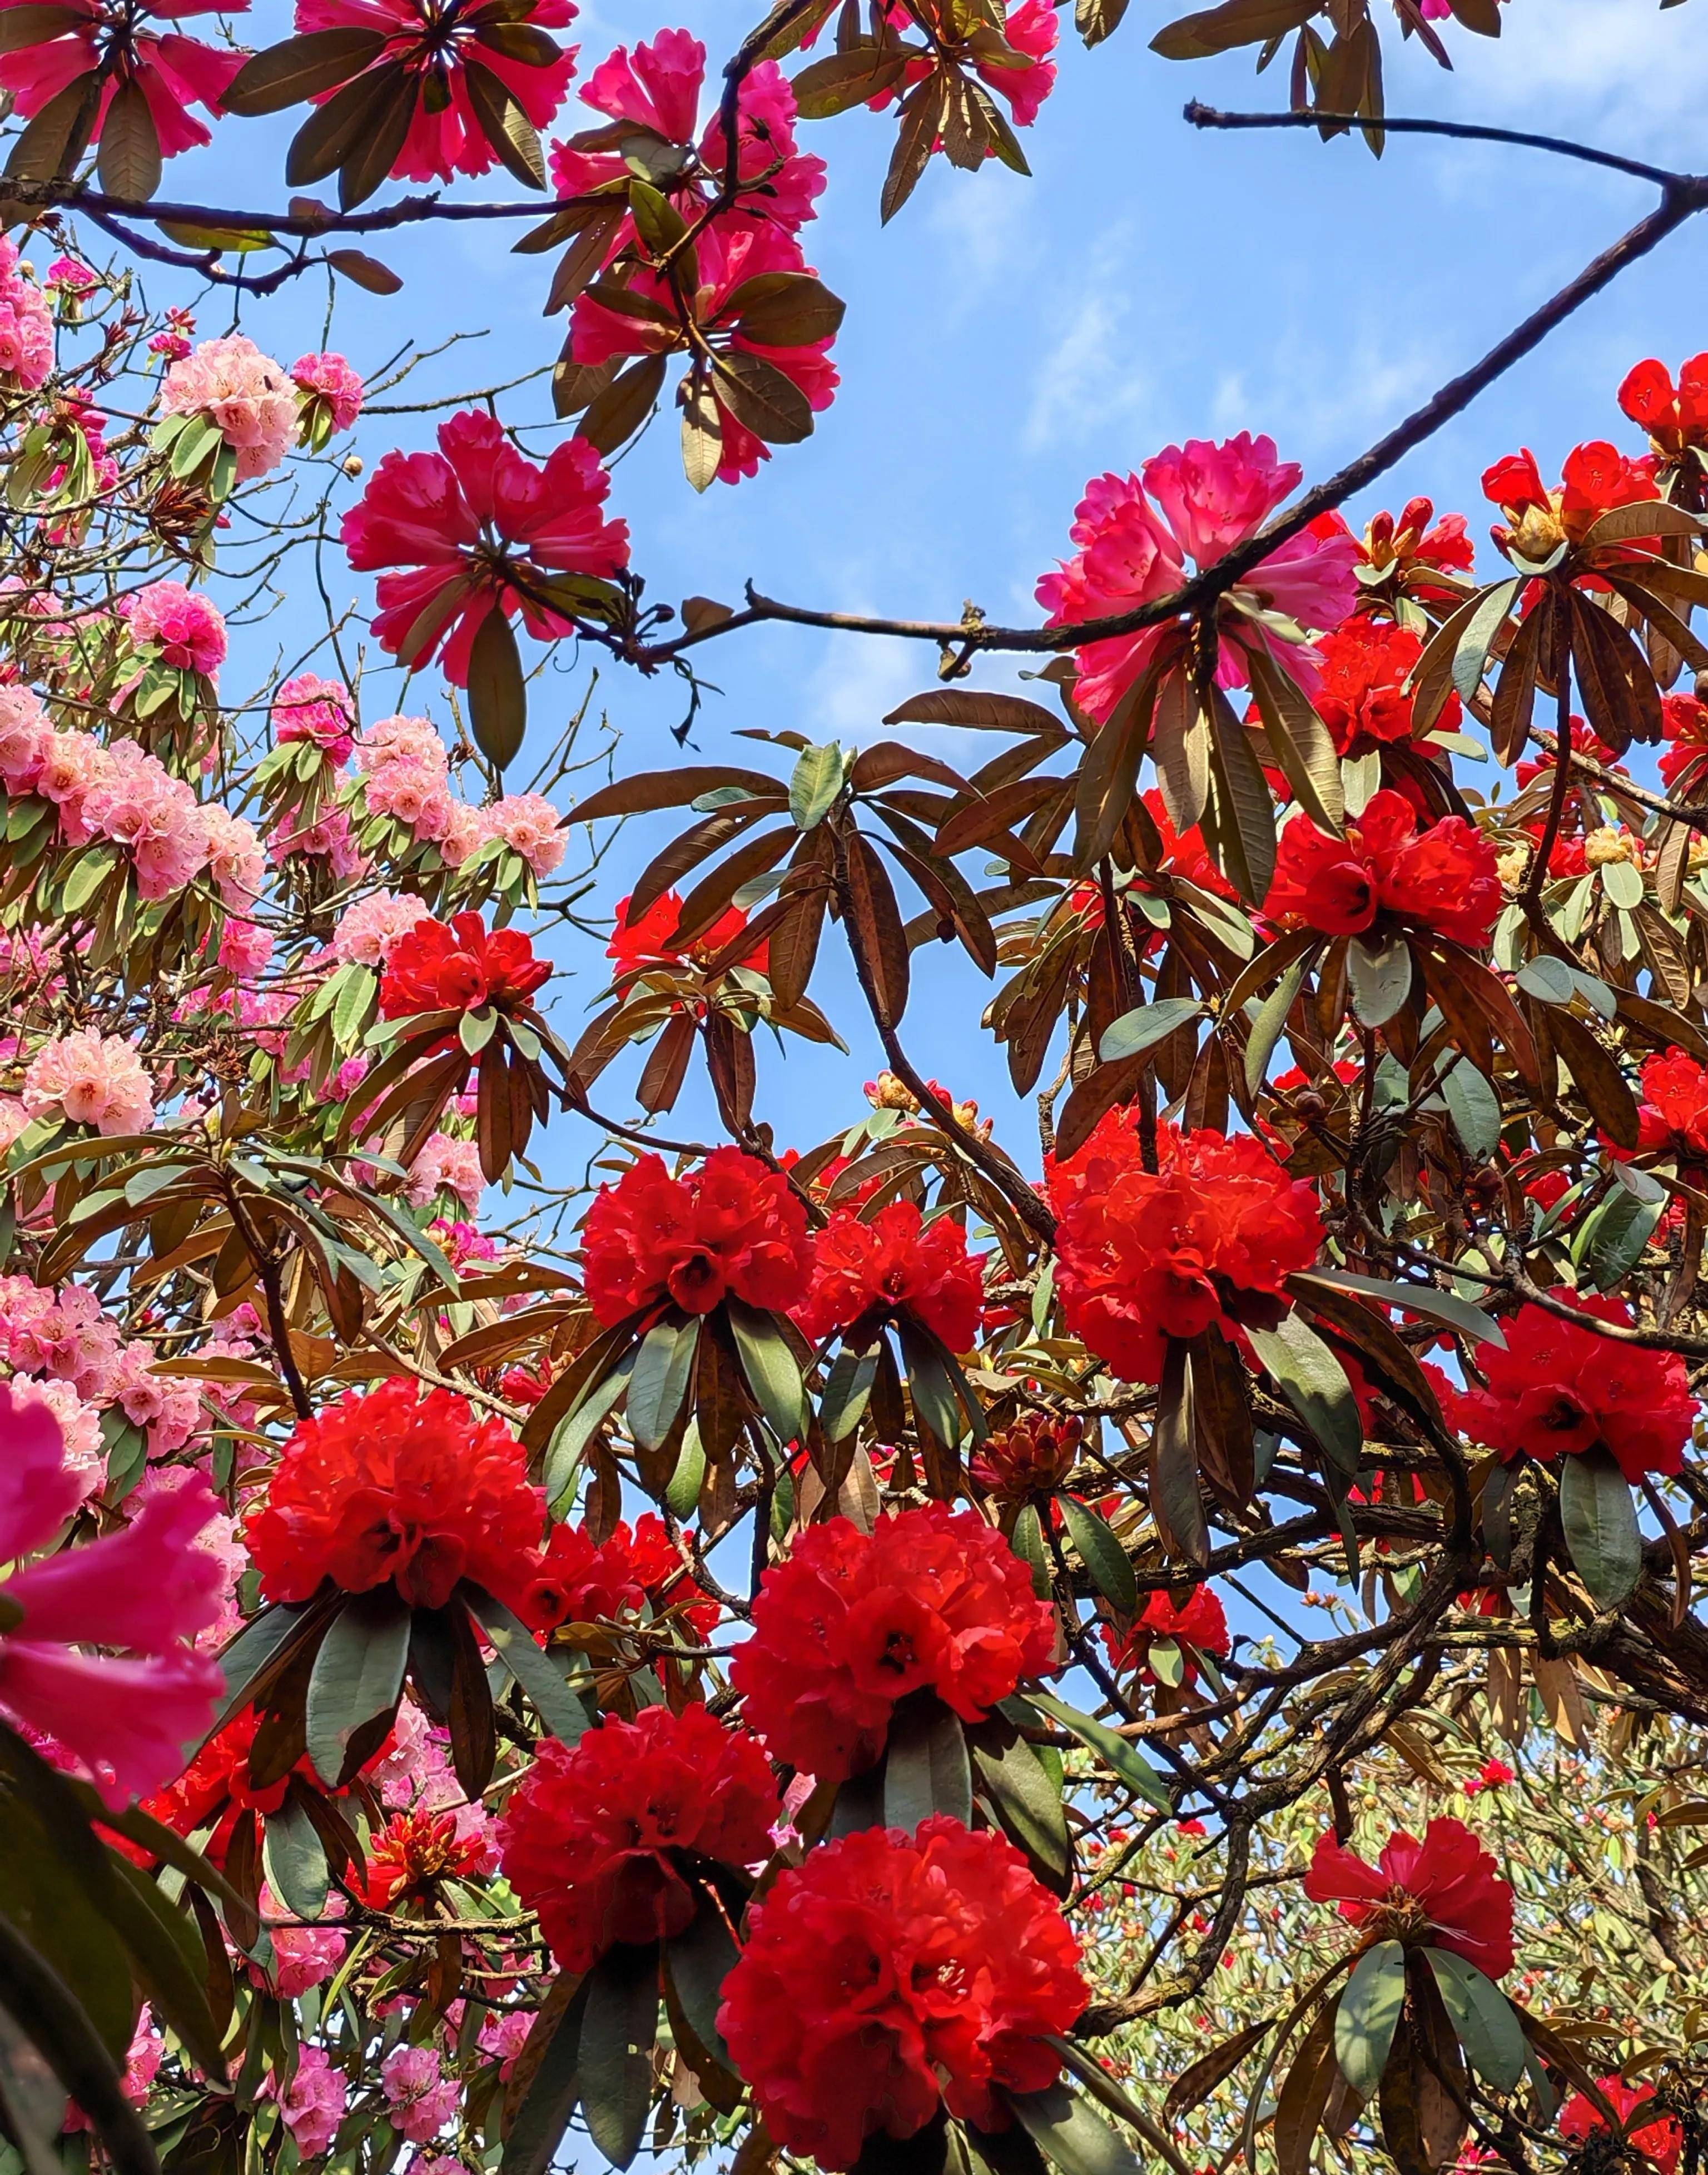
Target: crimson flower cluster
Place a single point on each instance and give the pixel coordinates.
(1673, 1118)
(1143, 1257)
(457, 966)
(1362, 695)
(1675, 416)
(575, 1582)
(600, 1838)
(173, 73)
(1442, 881)
(1559, 1388)
(731, 1227)
(416, 1850)
(893, 1974)
(649, 940)
(1594, 479)
(1444, 1892)
(868, 1271)
(851, 1622)
(397, 1486)
(1660, 2141)
(1201, 1625)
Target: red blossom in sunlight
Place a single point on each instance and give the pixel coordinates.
(598, 1836)
(1684, 726)
(1559, 1388)
(733, 1226)
(1660, 2140)
(479, 527)
(1674, 1115)
(416, 1850)
(391, 1485)
(872, 1271)
(1411, 545)
(1142, 1257)
(458, 966)
(890, 1974)
(850, 1622)
(1675, 416)
(575, 1582)
(1201, 1625)
(1362, 697)
(216, 1786)
(1443, 881)
(1495, 1775)
(1595, 478)
(436, 48)
(1444, 1892)
(651, 940)
(174, 73)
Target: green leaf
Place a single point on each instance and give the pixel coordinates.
(1069, 2135)
(1470, 657)
(1028, 1542)
(698, 1962)
(295, 1860)
(1488, 2027)
(617, 2034)
(357, 1679)
(1380, 975)
(816, 781)
(51, 2014)
(169, 1961)
(662, 1369)
(1611, 1239)
(44, 1899)
(1101, 1553)
(690, 1475)
(847, 1392)
(1367, 2013)
(1418, 1298)
(1474, 1108)
(575, 1430)
(261, 1642)
(1012, 1781)
(476, 1028)
(1599, 1518)
(769, 1364)
(926, 1769)
(1271, 1018)
(1314, 1384)
(553, 1702)
(1124, 1760)
(549, 2100)
(497, 692)
(1145, 1026)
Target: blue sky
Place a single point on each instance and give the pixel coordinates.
(1006, 338)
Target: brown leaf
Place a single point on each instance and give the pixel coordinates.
(982, 711)
(841, 81)
(1176, 1504)
(666, 1067)
(298, 68)
(1195, 2083)
(364, 271)
(1215, 30)
(1600, 1081)
(129, 159)
(710, 899)
(504, 124)
(497, 692)
(784, 309)
(672, 788)
(921, 124)
(1514, 691)
(763, 397)
(877, 925)
(1304, 2096)
(616, 414)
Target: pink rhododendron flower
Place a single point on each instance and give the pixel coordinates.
(182, 627)
(26, 322)
(1194, 503)
(143, 2059)
(421, 2101)
(367, 931)
(148, 1590)
(89, 1079)
(530, 826)
(235, 862)
(313, 2104)
(307, 708)
(245, 392)
(174, 72)
(26, 735)
(401, 740)
(462, 522)
(332, 393)
(416, 793)
(79, 1425)
(1030, 30)
(449, 1164)
(466, 830)
(436, 48)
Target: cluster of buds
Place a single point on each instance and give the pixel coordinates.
(1032, 1457)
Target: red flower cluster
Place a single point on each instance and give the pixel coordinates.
(1030, 1456)
(576, 1583)
(1675, 416)
(82, 39)
(1594, 479)
(1445, 1892)
(890, 1973)
(731, 1226)
(598, 1838)
(852, 1622)
(1661, 2140)
(1559, 1388)
(891, 1266)
(1446, 881)
(651, 941)
(1411, 545)
(1684, 726)
(1201, 1626)
(396, 1486)
(215, 1786)
(1141, 1257)
(454, 966)
(1362, 698)
(1673, 1116)
(413, 1851)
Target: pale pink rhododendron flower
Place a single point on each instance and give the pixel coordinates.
(174, 72)
(244, 947)
(25, 734)
(433, 47)
(244, 393)
(26, 323)
(180, 626)
(134, 800)
(399, 739)
(421, 2101)
(78, 1424)
(305, 1955)
(332, 395)
(329, 838)
(531, 827)
(148, 1590)
(307, 708)
(445, 1163)
(462, 522)
(314, 2102)
(416, 793)
(59, 1333)
(1140, 535)
(466, 830)
(90, 1079)
(369, 929)
(235, 862)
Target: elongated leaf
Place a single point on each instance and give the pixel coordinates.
(816, 781)
(926, 1768)
(548, 2099)
(295, 1860)
(615, 2064)
(1368, 2009)
(768, 1363)
(1600, 1522)
(551, 1699)
(1314, 1384)
(1146, 1025)
(763, 398)
(299, 69)
(50, 2014)
(1418, 1298)
(1011, 1780)
(503, 122)
(497, 694)
(357, 1678)
(1380, 975)
(1488, 2027)
(1069, 2135)
(847, 1392)
(1101, 1553)
(663, 1367)
(129, 160)
(1215, 30)
(1475, 1109)
(698, 1962)
(1123, 1760)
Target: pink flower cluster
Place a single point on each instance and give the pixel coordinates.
(89, 1079)
(367, 931)
(408, 777)
(26, 327)
(421, 2100)
(182, 628)
(331, 390)
(307, 708)
(448, 1164)
(313, 2104)
(244, 393)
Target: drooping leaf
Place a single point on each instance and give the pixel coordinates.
(1101, 1553)
(1314, 1384)
(1367, 2013)
(1488, 2027)
(615, 2066)
(926, 1768)
(357, 1679)
(1599, 1519)
(497, 693)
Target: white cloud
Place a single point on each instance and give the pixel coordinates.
(1089, 378)
(860, 678)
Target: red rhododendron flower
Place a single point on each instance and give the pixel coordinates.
(1685, 725)
(216, 1786)
(852, 1622)
(434, 47)
(1494, 1774)
(599, 1837)
(1675, 416)
(870, 1270)
(1029, 30)
(479, 528)
(1445, 880)
(890, 1973)
(456, 967)
(1362, 697)
(393, 1486)
(574, 1583)
(1673, 1115)
(1201, 1625)
(1661, 2140)
(1559, 1388)
(651, 940)
(1030, 1457)
(1197, 501)
(1595, 478)
(1411, 545)
(1211, 1237)
(1445, 1892)
(174, 73)
(416, 1849)
(731, 1226)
